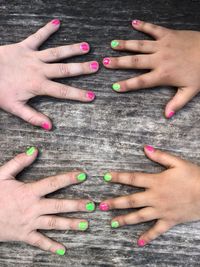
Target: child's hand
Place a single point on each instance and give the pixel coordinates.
(170, 197)
(24, 208)
(173, 59)
(27, 72)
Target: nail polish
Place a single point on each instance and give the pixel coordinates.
(116, 86)
(46, 126)
(106, 61)
(56, 22)
(136, 22)
(170, 115)
(107, 177)
(114, 43)
(90, 95)
(83, 226)
(81, 177)
(104, 207)
(150, 148)
(60, 252)
(94, 65)
(85, 47)
(141, 243)
(30, 151)
(90, 206)
(114, 224)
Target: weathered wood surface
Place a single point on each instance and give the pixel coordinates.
(108, 134)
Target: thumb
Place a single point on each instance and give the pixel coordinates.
(181, 98)
(163, 158)
(33, 117)
(18, 163)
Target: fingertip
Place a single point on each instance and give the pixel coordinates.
(149, 149)
(46, 125)
(81, 177)
(104, 206)
(136, 23)
(31, 151)
(141, 242)
(90, 96)
(83, 225)
(94, 66)
(56, 22)
(169, 114)
(106, 62)
(60, 251)
(85, 47)
(114, 44)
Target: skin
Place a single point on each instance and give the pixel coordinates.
(173, 59)
(28, 210)
(170, 197)
(27, 72)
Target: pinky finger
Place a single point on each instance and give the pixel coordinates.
(158, 229)
(37, 239)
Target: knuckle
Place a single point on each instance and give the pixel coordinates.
(59, 205)
(38, 36)
(140, 217)
(140, 44)
(132, 178)
(17, 160)
(55, 52)
(131, 202)
(64, 91)
(64, 70)
(37, 243)
(52, 222)
(141, 82)
(53, 183)
(135, 60)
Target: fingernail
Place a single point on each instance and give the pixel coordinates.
(114, 43)
(104, 207)
(85, 47)
(56, 22)
(81, 177)
(116, 86)
(136, 22)
(94, 65)
(107, 177)
(114, 224)
(60, 252)
(141, 243)
(90, 206)
(150, 148)
(83, 226)
(106, 61)
(30, 151)
(46, 126)
(170, 115)
(90, 95)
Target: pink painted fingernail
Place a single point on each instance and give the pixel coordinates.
(85, 47)
(141, 243)
(94, 65)
(104, 207)
(46, 126)
(170, 115)
(136, 22)
(150, 148)
(56, 22)
(90, 95)
(106, 61)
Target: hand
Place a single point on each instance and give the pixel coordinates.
(26, 73)
(24, 209)
(170, 197)
(173, 59)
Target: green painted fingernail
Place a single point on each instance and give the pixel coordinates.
(30, 151)
(114, 43)
(83, 226)
(81, 177)
(114, 224)
(90, 206)
(60, 252)
(116, 86)
(107, 177)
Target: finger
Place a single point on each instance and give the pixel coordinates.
(54, 206)
(143, 215)
(129, 62)
(141, 46)
(156, 31)
(38, 38)
(37, 239)
(136, 200)
(18, 163)
(158, 229)
(70, 70)
(59, 223)
(62, 91)
(62, 52)
(33, 117)
(137, 179)
(181, 98)
(54, 183)
(163, 158)
(148, 80)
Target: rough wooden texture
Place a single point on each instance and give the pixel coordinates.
(107, 134)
